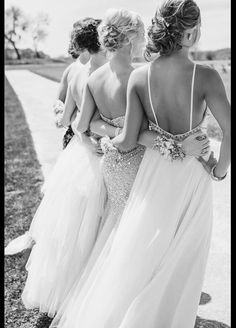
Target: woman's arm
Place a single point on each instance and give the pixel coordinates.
(70, 106)
(88, 107)
(61, 95)
(98, 126)
(218, 104)
(134, 117)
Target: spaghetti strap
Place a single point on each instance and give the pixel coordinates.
(149, 92)
(191, 103)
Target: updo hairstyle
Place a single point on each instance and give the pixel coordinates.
(172, 19)
(119, 28)
(84, 36)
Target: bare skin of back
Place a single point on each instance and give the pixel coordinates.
(66, 78)
(170, 86)
(110, 93)
(171, 95)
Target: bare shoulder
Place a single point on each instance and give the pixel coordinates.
(67, 70)
(138, 76)
(98, 74)
(209, 76)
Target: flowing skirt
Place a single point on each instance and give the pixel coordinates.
(65, 227)
(151, 269)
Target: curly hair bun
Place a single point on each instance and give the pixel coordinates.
(168, 26)
(118, 28)
(84, 36)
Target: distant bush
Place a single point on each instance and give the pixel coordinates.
(26, 61)
(222, 54)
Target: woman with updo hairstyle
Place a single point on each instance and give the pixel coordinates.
(169, 25)
(83, 41)
(166, 228)
(102, 296)
(65, 226)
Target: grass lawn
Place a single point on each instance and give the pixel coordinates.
(23, 178)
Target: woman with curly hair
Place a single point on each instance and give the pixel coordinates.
(104, 294)
(78, 50)
(65, 226)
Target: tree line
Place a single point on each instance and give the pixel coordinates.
(19, 26)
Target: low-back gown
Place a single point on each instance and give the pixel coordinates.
(151, 269)
(65, 227)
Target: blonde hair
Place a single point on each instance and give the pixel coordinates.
(119, 28)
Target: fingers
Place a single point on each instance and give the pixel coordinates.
(204, 142)
(201, 136)
(211, 157)
(205, 151)
(201, 160)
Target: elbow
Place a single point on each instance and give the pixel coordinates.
(226, 134)
(93, 126)
(81, 128)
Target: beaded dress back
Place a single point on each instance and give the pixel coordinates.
(119, 171)
(177, 137)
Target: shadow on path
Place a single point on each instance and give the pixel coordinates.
(205, 323)
(44, 321)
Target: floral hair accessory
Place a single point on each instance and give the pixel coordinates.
(169, 148)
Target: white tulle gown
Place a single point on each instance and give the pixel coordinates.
(151, 269)
(65, 227)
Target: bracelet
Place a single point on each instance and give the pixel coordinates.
(214, 177)
(117, 131)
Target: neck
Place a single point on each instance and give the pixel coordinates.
(97, 60)
(122, 57)
(180, 55)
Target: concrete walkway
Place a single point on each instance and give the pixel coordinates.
(37, 95)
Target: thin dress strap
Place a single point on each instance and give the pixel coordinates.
(149, 92)
(191, 104)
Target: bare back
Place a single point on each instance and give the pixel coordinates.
(67, 76)
(73, 69)
(166, 94)
(78, 82)
(109, 87)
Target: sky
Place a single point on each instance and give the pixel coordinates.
(215, 31)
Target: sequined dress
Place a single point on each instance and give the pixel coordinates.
(119, 171)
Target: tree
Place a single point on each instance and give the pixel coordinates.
(39, 30)
(15, 26)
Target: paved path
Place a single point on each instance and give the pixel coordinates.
(37, 95)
